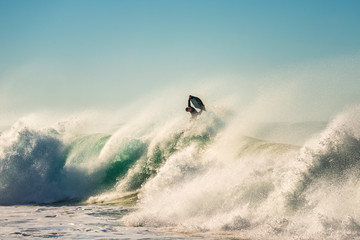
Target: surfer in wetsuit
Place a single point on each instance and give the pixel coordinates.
(192, 110)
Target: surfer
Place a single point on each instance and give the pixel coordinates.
(197, 103)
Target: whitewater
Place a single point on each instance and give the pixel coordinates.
(229, 174)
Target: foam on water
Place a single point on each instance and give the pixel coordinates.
(72, 222)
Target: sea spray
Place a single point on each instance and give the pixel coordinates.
(266, 190)
(30, 166)
(199, 188)
(209, 175)
(162, 143)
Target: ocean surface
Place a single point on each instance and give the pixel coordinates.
(222, 176)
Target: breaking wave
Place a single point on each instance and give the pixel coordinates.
(208, 175)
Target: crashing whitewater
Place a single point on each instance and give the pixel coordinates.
(218, 174)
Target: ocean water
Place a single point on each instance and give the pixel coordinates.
(223, 176)
(73, 222)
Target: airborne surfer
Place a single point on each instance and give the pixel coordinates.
(197, 104)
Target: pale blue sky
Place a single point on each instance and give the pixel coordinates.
(85, 53)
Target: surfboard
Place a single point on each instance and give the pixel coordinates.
(197, 103)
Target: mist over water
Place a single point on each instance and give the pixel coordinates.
(230, 171)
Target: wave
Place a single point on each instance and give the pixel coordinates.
(53, 164)
(205, 175)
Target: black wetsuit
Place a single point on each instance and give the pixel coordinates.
(193, 111)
